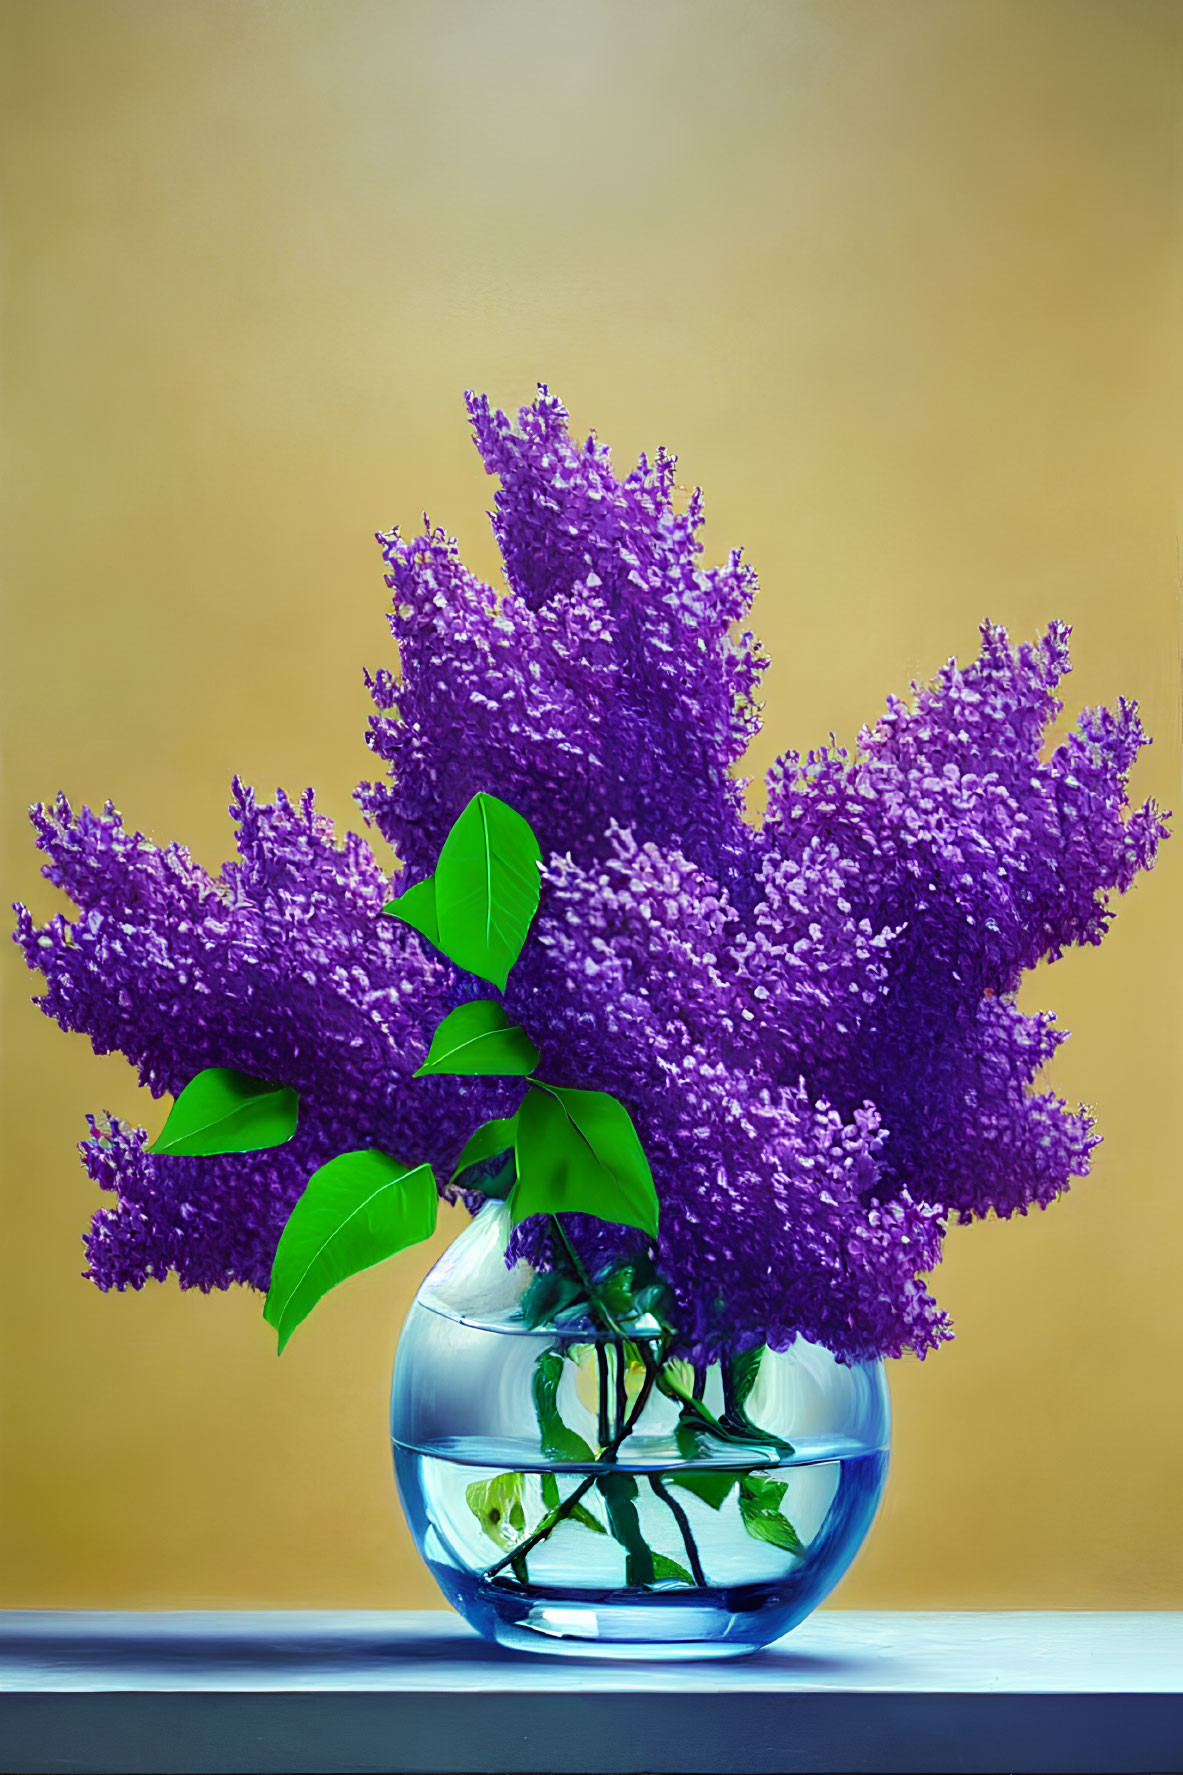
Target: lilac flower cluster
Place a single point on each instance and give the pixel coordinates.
(279, 967)
(812, 1021)
(607, 686)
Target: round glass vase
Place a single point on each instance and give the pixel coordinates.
(564, 1502)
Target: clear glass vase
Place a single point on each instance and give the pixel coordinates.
(568, 1491)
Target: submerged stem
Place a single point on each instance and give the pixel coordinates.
(562, 1510)
(684, 1528)
(621, 1393)
(603, 1429)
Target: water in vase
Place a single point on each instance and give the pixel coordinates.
(655, 1556)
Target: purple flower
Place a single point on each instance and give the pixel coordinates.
(812, 1022)
(607, 685)
(281, 967)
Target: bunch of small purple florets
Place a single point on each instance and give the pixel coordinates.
(812, 1021)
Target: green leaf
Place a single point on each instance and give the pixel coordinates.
(666, 1568)
(672, 1382)
(773, 1527)
(697, 1421)
(558, 1442)
(712, 1488)
(577, 1513)
(739, 1377)
(356, 1211)
(634, 1289)
(552, 1297)
(580, 1514)
(223, 1111)
(693, 1438)
(486, 888)
(743, 1372)
(763, 1493)
(492, 1141)
(494, 1180)
(759, 1506)
(498, 1506)
(620, 1495)
(479, 1039)
(738, 1432)
(577, 1152)
(417, 908)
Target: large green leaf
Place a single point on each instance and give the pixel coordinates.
(223, 1111)
(491, 1142)
(577, 1152)
(486, 888)
(605, 1125)
(558, 1441)
(478, 1038)
(356, 1211)
(417, 908)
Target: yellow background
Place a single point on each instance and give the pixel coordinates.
(897, 279)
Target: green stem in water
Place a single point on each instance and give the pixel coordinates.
(560, 1511)
(606, 1320)
(603, 1430)
(684, 1528)
(621, 1394)
(625, 1419)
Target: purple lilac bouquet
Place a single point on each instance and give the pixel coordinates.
(811, 1022)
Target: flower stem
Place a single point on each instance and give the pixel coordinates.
(560, 1511)
(585, 1279)
(621, 1394)
(684, 1528)
(603, 1429)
